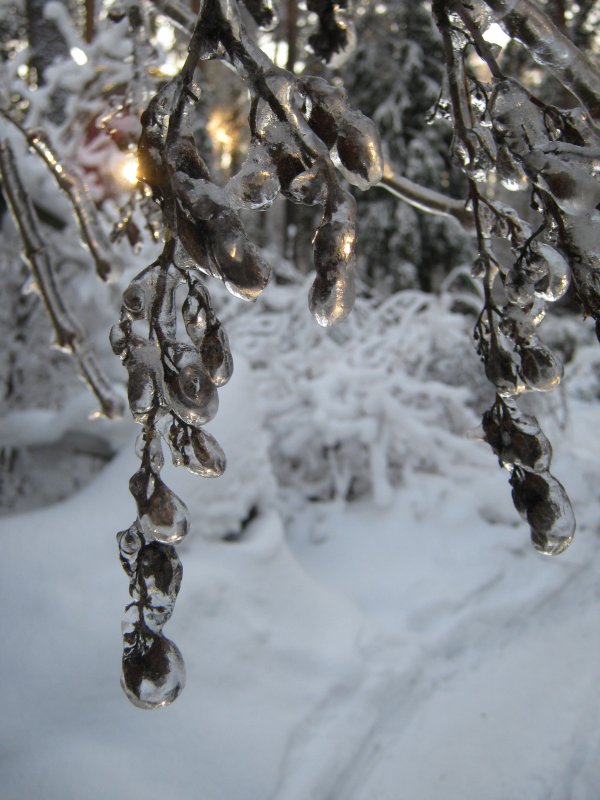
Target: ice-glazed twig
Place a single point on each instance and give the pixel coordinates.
(179, 15)
(524, 21)
(69, 333)
(427, 200)
(92, 235)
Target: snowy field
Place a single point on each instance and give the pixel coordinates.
(413, 649)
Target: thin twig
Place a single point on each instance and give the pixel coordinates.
(91, 232)
(69, 333)
(427, 200)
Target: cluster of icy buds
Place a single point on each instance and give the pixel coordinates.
(301, 129)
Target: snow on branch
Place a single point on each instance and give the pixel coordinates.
(92, 235)
(69, 333)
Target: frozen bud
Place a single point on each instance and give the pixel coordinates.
(140, 388)
(256, 185)
(357, 153)
(543, 502)
(553, 283)
(516, 438)
(196, 311)
(509, 171)
(332, 294)
(162, 515)
(216, 355)
(192, 394)
(118, 340)
(573, 187)
(148, 444)
(519, 290)
(238, 262)
(328, 104)
(501, 370)
(198, 451)
(517, 121)
(541, 369)
(130, 543)
(183, 156)
(194, 238)
(474, 151)
(135, 298)
(331, 297)
(309, 187)
(155, 677)
(159, 571)
(151, 169)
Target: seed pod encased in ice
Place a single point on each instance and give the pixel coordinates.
(332, 294)
(543, 502)
(155, 677)
(162, 516)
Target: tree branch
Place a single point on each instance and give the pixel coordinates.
(69, 333)
(549, 47)
(427, 200)
(92, 235)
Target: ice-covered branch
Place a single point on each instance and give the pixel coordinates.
(427, 200)
(524, 21)
(69, 333)
(92, 235)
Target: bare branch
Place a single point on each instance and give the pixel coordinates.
(69, 333)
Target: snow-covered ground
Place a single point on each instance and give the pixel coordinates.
(414, 650)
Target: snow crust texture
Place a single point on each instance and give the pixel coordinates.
(422, 650)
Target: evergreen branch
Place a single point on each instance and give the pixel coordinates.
(69, 333)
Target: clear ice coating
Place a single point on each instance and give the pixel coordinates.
(154, 678)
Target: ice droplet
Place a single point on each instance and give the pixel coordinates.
(156, 677)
